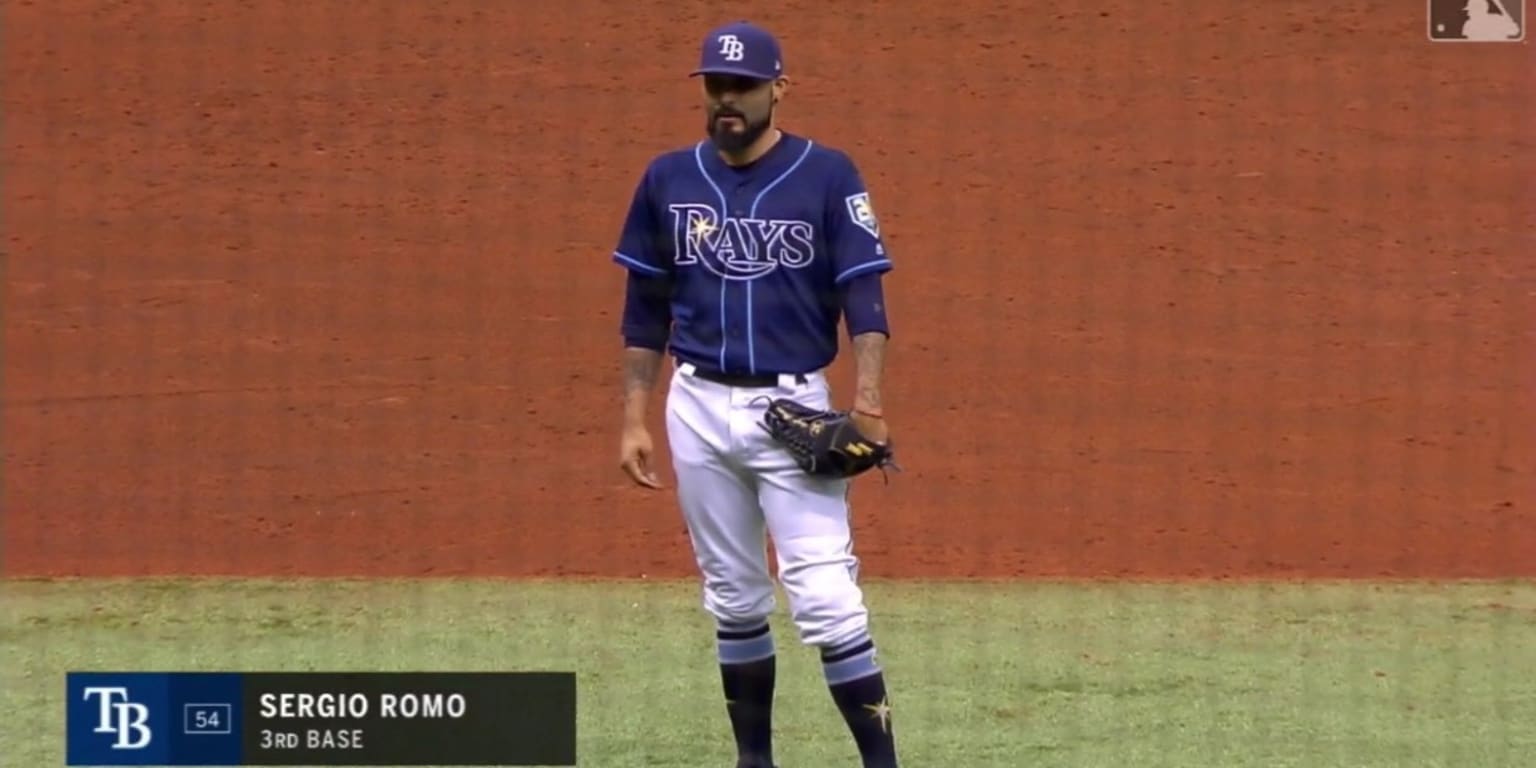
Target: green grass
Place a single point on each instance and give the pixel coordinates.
(982, 674)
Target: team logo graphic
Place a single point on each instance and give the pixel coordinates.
(863, 213)
(732, 48)
(1477, 21)
(881, 712)
(738, 248)
(126, 721)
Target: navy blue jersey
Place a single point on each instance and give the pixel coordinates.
(755, 255)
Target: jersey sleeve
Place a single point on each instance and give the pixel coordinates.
(640, 247)
(853, 231)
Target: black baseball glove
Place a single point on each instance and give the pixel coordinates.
(825, 443)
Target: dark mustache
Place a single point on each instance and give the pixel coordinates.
(729, 113)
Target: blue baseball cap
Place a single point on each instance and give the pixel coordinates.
(741, 48)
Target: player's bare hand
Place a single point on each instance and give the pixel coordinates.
(872, 426)
(635, 455)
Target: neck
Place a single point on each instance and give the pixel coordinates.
(758, 148)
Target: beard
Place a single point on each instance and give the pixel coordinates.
(727, 139)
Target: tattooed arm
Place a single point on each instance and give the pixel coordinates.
(869, 362)
(641, 366)
(864, 306)
(646, 326)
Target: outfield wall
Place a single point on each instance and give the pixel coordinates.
(324, 289)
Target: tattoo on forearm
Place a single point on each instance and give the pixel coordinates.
(869, 357)
(640, 368)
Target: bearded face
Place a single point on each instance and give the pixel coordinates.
(738, 110)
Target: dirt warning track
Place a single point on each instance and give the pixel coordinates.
(1194, 289)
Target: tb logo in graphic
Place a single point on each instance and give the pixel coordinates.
(1477, 21)
(127, 721)
(732, 48)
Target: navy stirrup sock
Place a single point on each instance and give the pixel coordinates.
(747, 670)
(858, 688)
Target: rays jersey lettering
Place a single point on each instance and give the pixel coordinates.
(738, 248)
(753, 256)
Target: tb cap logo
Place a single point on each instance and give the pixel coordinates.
(740, 48)
(732, 48)
(129, 720)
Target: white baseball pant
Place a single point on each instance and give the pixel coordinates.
(734, 483)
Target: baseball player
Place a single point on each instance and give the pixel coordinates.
(743, 252)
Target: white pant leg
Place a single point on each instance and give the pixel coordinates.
(719, 502)
(809, 521)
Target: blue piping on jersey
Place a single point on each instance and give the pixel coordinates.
(724, 211)
(631, 261)
(782, 177)
(751, 342)
(751, 339)
(723, 334)
(860, 269)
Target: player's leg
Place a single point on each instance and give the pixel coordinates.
(811, 534)
(808, 519)
(725, 525)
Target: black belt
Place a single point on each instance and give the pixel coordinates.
(760, 381)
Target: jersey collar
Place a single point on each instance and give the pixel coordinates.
(773, 160)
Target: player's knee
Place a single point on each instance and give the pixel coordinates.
(731, 605)
(828, 609)
(837, 628)
(830, 624)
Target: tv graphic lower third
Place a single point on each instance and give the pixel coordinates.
(1477, 21)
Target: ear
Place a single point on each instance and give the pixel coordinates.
(779, 87)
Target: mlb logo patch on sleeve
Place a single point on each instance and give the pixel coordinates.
(863, 214)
